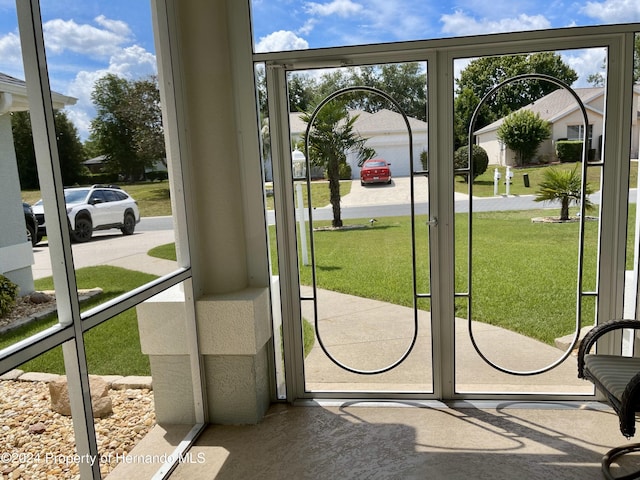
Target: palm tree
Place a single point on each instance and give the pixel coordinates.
(330, 138)
(563, 186)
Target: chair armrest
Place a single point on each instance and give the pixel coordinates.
(598, 331)
(628, 406)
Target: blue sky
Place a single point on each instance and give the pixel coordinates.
(287, 24)
(86, 39)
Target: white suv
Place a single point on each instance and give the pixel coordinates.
(99, 207)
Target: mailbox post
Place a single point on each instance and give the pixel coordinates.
(496, 181)
(507, 181)
(299, 170)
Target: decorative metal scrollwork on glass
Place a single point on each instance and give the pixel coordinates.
(313, 116)
(519, 78)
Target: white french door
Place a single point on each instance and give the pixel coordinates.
(450, 309)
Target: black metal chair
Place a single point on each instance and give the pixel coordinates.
(618, 378)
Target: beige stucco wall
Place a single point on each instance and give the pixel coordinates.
(223, 190)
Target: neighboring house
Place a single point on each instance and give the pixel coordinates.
(16, 254)
(561, 109)
(97, 164)
(386, 132)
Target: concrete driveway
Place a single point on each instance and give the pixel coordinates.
(112, 248)
(398, 192)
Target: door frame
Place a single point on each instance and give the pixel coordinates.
(440, 56)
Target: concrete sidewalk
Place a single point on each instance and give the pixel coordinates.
(366, 334)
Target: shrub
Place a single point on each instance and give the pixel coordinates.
(344, 171)
(479, 158)
(523, 132)
(569, 150)
(8, 294)
(157, 175)
(103, 178)
(424, 160)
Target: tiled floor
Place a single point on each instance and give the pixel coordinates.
(400, 441)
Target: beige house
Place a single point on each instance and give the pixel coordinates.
(561, 109)
(386, 132)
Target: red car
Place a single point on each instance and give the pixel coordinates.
(375, 171)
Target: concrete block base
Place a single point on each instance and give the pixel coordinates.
(235, 360)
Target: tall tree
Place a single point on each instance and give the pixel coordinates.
(301, 92)
(406, 83)
(127, 128)
(483, 74)
(70, 149)
(331, 137)
(25, 152)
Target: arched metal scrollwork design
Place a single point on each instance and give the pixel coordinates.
(563, 357)
(313, 116)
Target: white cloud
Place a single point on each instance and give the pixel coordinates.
(342, 8)
(280, 41)
(79, 54)
(404, 20)
(585, 63)
(67, 35)
(613, 11)
(133, 62)
(459, 23)
(10, 55)
(116, 26)
(308, 26)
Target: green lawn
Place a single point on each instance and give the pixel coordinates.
(153, 197)
(524, 280)
(112, 347)
(524, 273)
(319, 193)
(483, 186)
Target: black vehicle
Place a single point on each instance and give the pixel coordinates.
(32, 223)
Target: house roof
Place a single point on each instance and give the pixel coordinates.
(558, 104)
(387, 121)
(99, 160)
(17, 99)
(382, 122)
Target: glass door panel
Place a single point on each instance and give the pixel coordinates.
(525, 266)
(364, 328)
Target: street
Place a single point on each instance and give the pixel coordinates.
(110, 247)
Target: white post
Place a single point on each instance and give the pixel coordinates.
(302, 223)
(496, 182)
(508, 178)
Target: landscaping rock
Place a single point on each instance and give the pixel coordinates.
(27, 403)
(100, 400)
(40, 297)
(38, 428)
